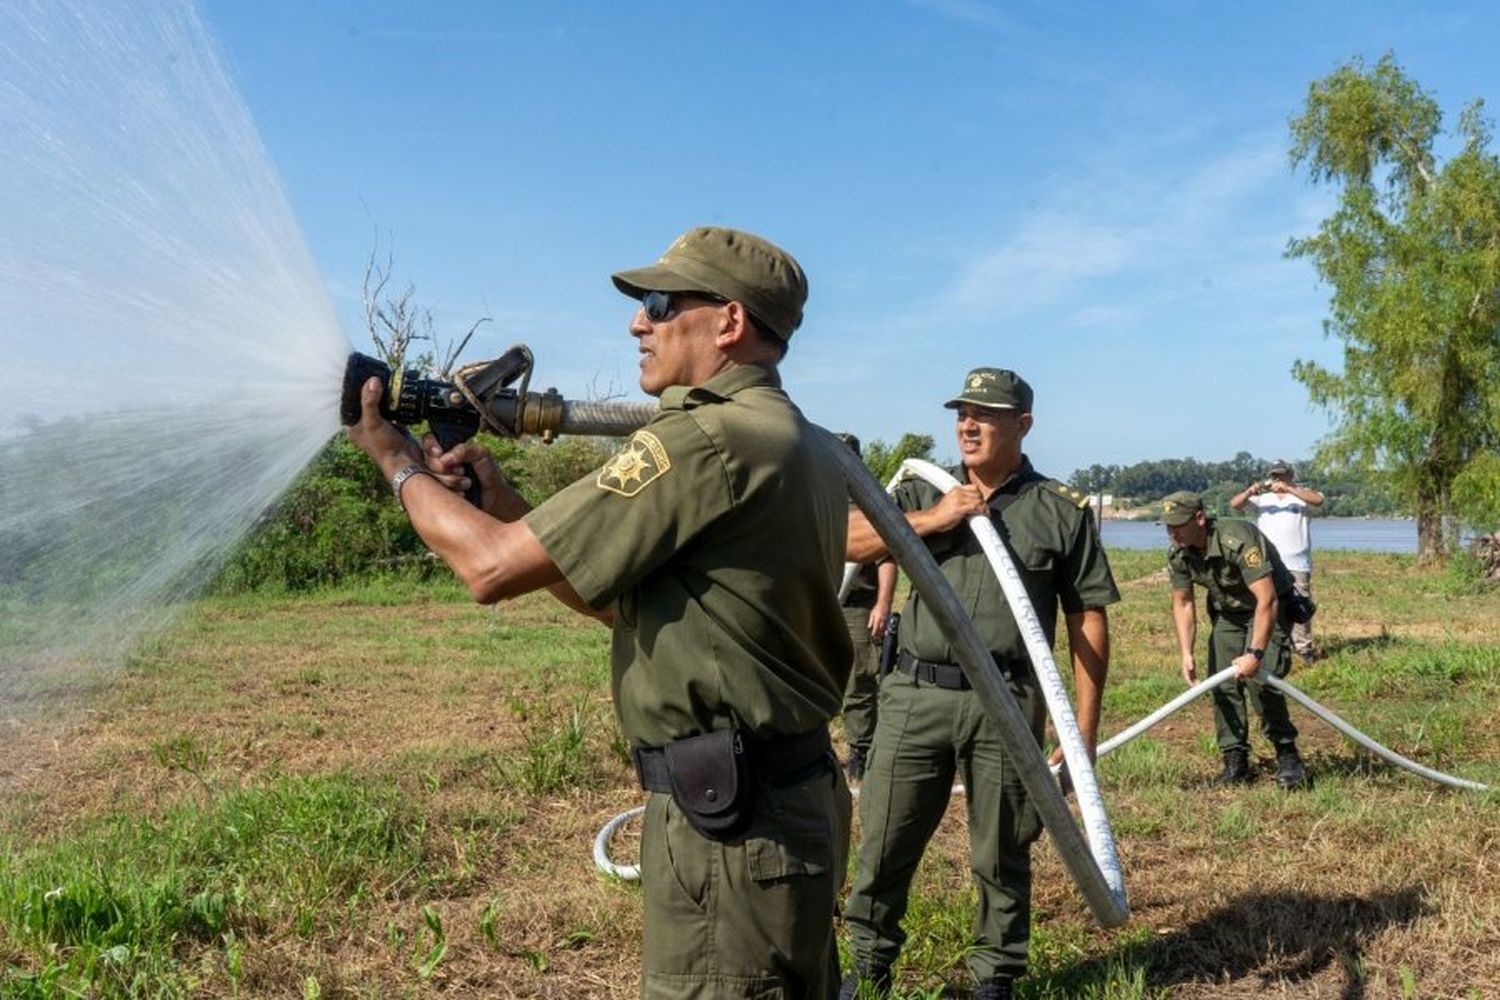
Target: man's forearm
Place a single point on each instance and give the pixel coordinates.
(1308, 496)
(885, 585)
(506, 504)
(864, 543)
(1088, 641)
(1264, 622)
(494, 559)
(1185, 623)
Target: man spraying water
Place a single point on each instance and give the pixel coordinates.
(710, 544)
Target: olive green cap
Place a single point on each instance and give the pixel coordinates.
(1178, 508)
(731, 264)
(996, 388)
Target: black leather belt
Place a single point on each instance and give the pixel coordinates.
(949, 676)
(779, 760)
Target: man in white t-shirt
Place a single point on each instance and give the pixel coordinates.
(1283, 513)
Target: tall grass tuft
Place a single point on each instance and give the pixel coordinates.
(111, 906)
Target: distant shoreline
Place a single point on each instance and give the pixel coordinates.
(1358, 534)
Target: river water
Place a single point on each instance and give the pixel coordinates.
(1361, 534)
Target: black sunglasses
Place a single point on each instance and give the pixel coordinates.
(662, 306)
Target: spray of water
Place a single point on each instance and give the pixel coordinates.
(170, 353)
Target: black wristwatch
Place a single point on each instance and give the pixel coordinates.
(1257, 652)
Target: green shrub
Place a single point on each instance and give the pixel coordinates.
(338, 522)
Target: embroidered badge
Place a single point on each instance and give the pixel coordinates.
(641, 462)
(978, 379)
(1252, 557)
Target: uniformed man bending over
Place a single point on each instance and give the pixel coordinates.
(713, 543)
(932, 725)
(1248, 591)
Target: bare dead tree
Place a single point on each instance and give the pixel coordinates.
(396, 321)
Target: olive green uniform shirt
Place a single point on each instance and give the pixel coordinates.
(1049, 531)
(1234, 556)
(718, 535)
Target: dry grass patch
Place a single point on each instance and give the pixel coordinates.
(484, 744)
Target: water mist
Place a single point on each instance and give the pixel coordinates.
(172, 356)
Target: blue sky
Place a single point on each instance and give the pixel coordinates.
(1096, 195)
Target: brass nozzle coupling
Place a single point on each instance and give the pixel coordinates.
(541, 414)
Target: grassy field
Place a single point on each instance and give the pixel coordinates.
(389, 792)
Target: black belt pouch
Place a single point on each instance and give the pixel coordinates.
(1300, 609)
(713, 782)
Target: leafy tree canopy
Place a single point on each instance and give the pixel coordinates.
(1412, 256)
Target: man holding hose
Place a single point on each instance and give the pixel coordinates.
(712, 543)
(1249, 597)
(932, 726)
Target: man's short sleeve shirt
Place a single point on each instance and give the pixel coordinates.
(1283, 518)
(1234, 556)
(1050, 535)
(717, 534)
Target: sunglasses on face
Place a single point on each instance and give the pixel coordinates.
(662, 306)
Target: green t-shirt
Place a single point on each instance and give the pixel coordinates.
(718, 535)
(1049, 532)
(1235, 555)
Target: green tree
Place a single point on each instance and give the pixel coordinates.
(1095, 479)
(1476, 493)
(883, 459)
(1412, 255)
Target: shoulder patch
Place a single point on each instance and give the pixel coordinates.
(1252, 557)
(1068, 493)
(640, 463)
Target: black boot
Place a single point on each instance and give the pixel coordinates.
(998, 988)
(875, 979)
(1236, 768)
(1290, 773)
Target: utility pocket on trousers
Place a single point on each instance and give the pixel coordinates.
(787, 854)
(681, 856)
(791, 834)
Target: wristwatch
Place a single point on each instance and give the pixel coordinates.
(1257, 652)
(400, 478)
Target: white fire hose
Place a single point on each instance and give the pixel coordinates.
(1095, 865)
(1227, 674)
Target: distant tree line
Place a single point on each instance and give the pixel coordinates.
(1350, 493)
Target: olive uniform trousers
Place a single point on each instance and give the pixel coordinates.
(1230, 638)
(925, 737)
(863, 690)
(720, 913)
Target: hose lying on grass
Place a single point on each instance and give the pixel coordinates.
(1227, 674)
(632, 872)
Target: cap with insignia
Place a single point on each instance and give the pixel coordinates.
(995, 388)
(1178, 508)
(1281, 468)
(731, 264)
